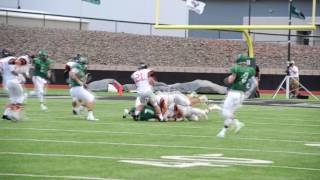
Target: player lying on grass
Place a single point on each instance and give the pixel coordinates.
(14, 71)
(167, 99)
(175, 113)
(174, 106)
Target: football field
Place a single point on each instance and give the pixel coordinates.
(277, 142)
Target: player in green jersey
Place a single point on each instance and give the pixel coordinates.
(77, 82)
(148, 113)
(42, 72)
(241, 82)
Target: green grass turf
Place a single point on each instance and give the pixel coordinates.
(57, 144)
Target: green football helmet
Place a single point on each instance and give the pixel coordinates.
(43, 52)
(82, 60)
(242, 58)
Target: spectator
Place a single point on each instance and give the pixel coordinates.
(293, 72)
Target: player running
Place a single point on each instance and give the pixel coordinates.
(14, 71)
(77, 83)
(77, 104)
(41, 74)
(240, 87)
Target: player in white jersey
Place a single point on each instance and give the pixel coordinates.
(179, 112)
(166, 99)
(144, 80)
(179, 98)
(13, 72)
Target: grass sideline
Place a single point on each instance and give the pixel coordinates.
(58, 145)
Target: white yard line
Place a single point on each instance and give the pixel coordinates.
(154, 134)
(285, 124)
(118, 158)
(285, 115)
(156, 125)
(313, 144)
(157, 145)
(69, 155)
(53, 176)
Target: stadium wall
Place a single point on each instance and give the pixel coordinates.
(268, 81)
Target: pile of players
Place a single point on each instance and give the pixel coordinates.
(176, 106)
(164, 106)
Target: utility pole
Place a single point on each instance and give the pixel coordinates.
(289, 33)
(249, 15)
(19, 7)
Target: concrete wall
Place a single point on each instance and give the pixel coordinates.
(39, 20)
(172, 12)
(235, 12)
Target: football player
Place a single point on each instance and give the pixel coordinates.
(77, 83)
(42, 72)
(239, 81)
(144, 80)
(14, 71)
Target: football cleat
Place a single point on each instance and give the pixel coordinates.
(213, 107)
(75, 112)
(193, 94)
(203, 98)
(125, 113)
(222, 133)
(238, 125)
(43, 107)
(5, 117)
(92, 118)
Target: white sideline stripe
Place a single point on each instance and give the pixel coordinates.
(314, 145)
(52, 176)
(153, 134)
(125, 158)
(159, 145)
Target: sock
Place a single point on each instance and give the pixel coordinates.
(90, 113)
(227, 122)
(6, 111)
(160, 117)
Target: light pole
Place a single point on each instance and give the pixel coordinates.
(249, 15)
(19, 7)
(289, 33)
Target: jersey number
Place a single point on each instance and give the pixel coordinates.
(138, 77)
(244, 77)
